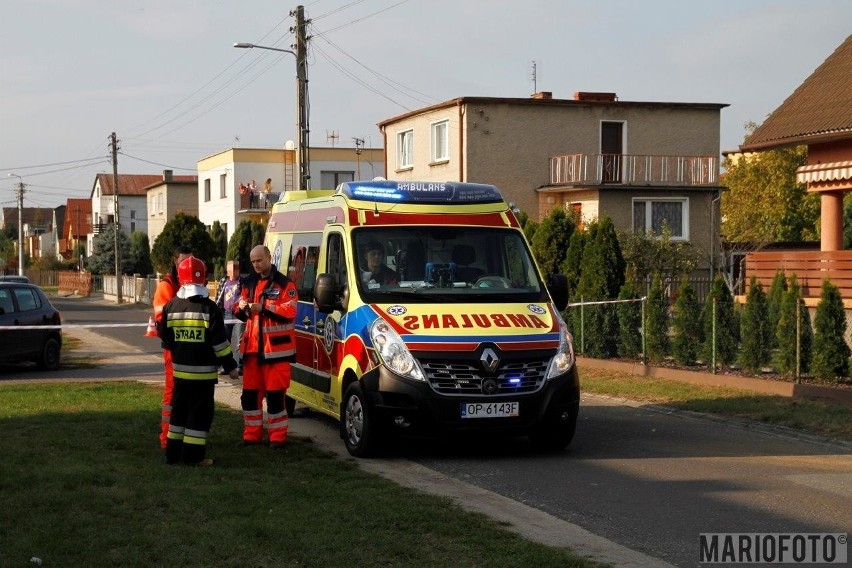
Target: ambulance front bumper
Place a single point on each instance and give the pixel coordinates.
(414, 407)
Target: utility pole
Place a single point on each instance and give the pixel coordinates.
(114, 149)
(21, 187)
(302, 78)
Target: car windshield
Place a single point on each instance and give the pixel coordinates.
(445, 264)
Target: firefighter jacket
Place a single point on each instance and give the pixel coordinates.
(271, 333)
(167, 288)
(193, 329)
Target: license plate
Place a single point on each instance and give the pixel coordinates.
(489, 409)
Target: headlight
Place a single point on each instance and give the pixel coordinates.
(393, 352)
(564, 358)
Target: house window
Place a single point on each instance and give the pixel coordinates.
(405, 149)
(330, 180)
(207, 190)
(132, 220)
(654, 214)
(222, 187)
(440, 141)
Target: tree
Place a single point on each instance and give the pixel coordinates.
(754, 328)
(777, 292)
(140, 252)
(764, 203)
(657, 322)
(687, 325)
(601, 277)
(790, 310)
(629, 322)
(650, 253)
(572, 264)
(247, 236)
(220, 249)
(831, 352)
(550, 242)
(183, 229)
(102, 260)
(726, 328)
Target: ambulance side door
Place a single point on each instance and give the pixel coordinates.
(302, 270)
(328, 325)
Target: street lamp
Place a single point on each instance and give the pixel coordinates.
(302, 89)
(20, 223)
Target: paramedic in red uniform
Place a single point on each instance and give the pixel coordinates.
(268, 306)
(167, 288)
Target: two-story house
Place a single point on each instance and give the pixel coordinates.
(222, 176)
(167, 197)
(132, 203)
(77, 224)
(640, 163)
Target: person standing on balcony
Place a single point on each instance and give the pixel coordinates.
(267, 187)
(253, 195)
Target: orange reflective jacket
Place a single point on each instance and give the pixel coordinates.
(271, 333)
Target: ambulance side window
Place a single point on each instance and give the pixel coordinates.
(336, 259)
(302, 267)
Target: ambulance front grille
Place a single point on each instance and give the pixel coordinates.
(465, 380)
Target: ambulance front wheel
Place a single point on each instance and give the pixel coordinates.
(357, 427)
(556, 430)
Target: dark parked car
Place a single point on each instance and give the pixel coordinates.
(24, 304)
(14, 278)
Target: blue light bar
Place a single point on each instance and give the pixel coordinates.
(420, 192)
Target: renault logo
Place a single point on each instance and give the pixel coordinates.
(489, 359)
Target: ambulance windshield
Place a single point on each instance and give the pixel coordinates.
(427, 264)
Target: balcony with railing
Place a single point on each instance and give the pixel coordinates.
(634, 169)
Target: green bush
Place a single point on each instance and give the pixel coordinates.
(657, 322)
(726, 328)
(831, 353)
(792, 308)
(686, 325)
(777, 291)
(629, 322)
(756, 341)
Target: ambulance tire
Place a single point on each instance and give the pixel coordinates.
(556, 430)
(356, 423)
(289, 405)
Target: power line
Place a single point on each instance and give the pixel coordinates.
(53, 164)
(193, 169)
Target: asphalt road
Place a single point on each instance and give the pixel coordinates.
(644, 477)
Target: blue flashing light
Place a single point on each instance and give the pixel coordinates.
(515, 380)
(421, 192)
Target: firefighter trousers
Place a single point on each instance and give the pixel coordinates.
(192, 416)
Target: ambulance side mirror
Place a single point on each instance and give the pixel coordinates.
(327, 294)
(557, 285)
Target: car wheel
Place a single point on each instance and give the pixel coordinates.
(50, 355)
(356, 423)
(556, 430)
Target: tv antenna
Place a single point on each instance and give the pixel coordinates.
(333, 136)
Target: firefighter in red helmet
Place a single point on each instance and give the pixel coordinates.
(268, 306)
(167, 289)
(193, 330)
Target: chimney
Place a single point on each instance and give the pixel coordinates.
(597, 97)
(167, 175)
(543, 95)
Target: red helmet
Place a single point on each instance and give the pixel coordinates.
(192, 271)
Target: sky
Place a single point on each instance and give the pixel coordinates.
(165, 77)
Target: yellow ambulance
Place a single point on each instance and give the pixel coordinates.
(421, 311)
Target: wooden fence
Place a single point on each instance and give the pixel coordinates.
(811, 269)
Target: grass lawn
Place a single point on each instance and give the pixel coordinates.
(84, 484)
(822, 418)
